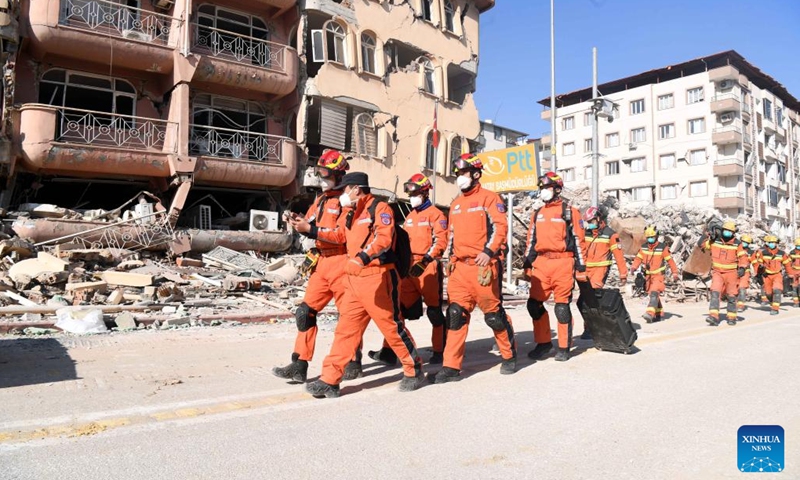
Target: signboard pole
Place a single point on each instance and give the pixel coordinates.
(510, 259)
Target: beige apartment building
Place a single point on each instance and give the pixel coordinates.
(712, 131)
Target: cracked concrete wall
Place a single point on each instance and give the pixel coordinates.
(398, 94)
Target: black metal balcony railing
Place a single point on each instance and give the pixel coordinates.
(114, 19)
(243, 145)
(243, 49)
(113, 130)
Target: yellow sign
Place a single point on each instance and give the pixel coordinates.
(510, 170)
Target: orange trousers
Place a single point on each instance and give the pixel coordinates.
(723, 283)
(773, 282)
(597, 275)
(429, 287)
(323, 285)
(375, 294)
(464, 290)
(552, 276)
(744, 284)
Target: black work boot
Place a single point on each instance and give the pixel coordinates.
(586, 335)
(320, 389)
(508, 366)
(445, 375)
(385, 356)
(352, 370)
(648, 318)
(296, 371)
(712, 321)
(409, 384)
(540, 351)
(436, 359)
(773, 312)
(731, 321)
(562, 355)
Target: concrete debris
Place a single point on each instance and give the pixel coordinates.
(125, 321)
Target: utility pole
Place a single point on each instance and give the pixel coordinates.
(595, 134)
(553, 149)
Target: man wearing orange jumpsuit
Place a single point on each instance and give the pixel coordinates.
(554, 257)
(426, 226)
(794, 272)
(478, 228)
(728, 264)
(744, 281)
(325, 263)
(772, 260)
(655, 257)
(371, 286)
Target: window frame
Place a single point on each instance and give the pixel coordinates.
(362, 142)
(608, 168)
(698, 98)
(564, 149)
(636, 102)
(671, 97)
(689, 126)
(674, 187)
(369, 51)
(609, 136)
(430, 152)
(698, 182)
(638, 161)
(568, 120)
(428, 74)
(671, 129)
(449, 16)
(638, 129)
(661, 163)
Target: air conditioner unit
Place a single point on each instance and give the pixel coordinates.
(263, 221)
(726, 117)
(726, 84)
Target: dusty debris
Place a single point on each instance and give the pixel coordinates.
(125, 321)
(126, 279)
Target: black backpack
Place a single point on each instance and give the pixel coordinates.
(400, 255)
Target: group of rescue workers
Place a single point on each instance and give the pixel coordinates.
(354, 263)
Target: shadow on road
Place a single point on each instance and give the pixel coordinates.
(30, 361)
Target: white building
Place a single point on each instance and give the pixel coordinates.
(714, 131)
(496, 137)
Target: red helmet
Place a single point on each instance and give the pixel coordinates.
(332, 162)
(550, 179)
(467, 161)
(591, 213)
(417, 183)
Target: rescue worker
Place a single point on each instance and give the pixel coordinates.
(554, 257)
(794, 272)
(427, 231)
(772, 260)
(371, 286)
(654, 256)
(744, 281)
(478, 228)
(325, 265)
(728, 265)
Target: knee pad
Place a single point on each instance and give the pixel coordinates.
(413, 312)
(497, 321)
(457, 317)
(535, 309)
(306, 317)
(563, 314)
(436, 316)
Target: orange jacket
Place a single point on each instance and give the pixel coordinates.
(427, 231)
(548, 234)
(324, 213)
(654, 257)
(773, 260)
(794, 266)
(477, 224)
(726, 256)
(600, 246)
(364, 240)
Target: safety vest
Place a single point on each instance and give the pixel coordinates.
(724, 256)
(600, 249)
(773, 261)
(654, 260)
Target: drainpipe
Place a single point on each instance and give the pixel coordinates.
(187, 12)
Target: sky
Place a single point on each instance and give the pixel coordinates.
(631, 36)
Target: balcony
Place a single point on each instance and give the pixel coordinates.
(728, 72)
(770, 154)
(235, 60)
(241, 158)
(727, 135)
(725, 102)
(546, 114)
(729, 200)
(746, 110)
(59, 140)
(747, 141)
(729, 166)
(547, 139)
(94, 30)
(748, 173)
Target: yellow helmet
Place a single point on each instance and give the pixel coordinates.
(650, 231)
(797, 242)
(747, 238)
(770, 238)
(730, 226)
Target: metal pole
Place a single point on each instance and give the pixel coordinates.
(595, 135)
(553, 149)
(510, 260)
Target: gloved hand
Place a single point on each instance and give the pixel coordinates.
(451, 265)
(309, 263)
(527, 264)
(740, 272)
(580, 273)
(353, 266)
(527, 273)
(418, 268)
(484, 276)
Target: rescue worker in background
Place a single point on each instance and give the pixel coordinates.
(771, 261)
(427, 231)
(478, 228)
(744, 280)
(325, 266)
(794, 272)
(554, 257)
(371, 286)
(655, 257)
(729, 262)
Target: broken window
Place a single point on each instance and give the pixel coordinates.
(427, 9)
(85, 91)
(368, 53)
(366, 135)
(402, 56)
(230, 127)
(460, 83)
(233, 34)
(345, 128)
(335, 43)
(428, 79)
(449, 16)
(430, 152)
(455, 153)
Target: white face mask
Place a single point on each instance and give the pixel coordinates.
(416, 201)
(546, 194)
(464, 182)
(327, 184)
(345, 200)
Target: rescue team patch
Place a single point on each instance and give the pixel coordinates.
(386, 219)
(501, 207)
(443, 224)
(333, 211)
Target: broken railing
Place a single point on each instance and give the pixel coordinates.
(135, 234)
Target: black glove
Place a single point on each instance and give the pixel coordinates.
(418, 268)
(740, 272)
(310, 262)
(527, 263)
(580, 268)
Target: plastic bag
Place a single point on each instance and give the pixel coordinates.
(80, 320)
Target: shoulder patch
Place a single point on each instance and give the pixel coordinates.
(386, 219)
(501, 207)
(443, 224)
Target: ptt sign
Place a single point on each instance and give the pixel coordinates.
(510, 170)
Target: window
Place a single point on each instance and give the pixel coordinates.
(449, 16)
(637, 107)
(569, 149)
(568, 174)
(669, 192)
(638, 165)
(612, 168)
(666, 102)
(587, 119)
(455, 152)
(779, 116)
(667, 161)
(568, 123)
(612, 140)
(772, 196)
(427, 9)
(666, 131)
(612, 193)
(87, 92)
(428, 78)
(367, 53)
(224, 33)
(697, 157)
(335, 43)
(642, 194)
(430, 152)
(638, 135)
(587, 173)
(587, 145)
(697, 125)
(366, 135)
(698, 189)
(767, 109)
(229, 127)
(694, 95)
(498, 134)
